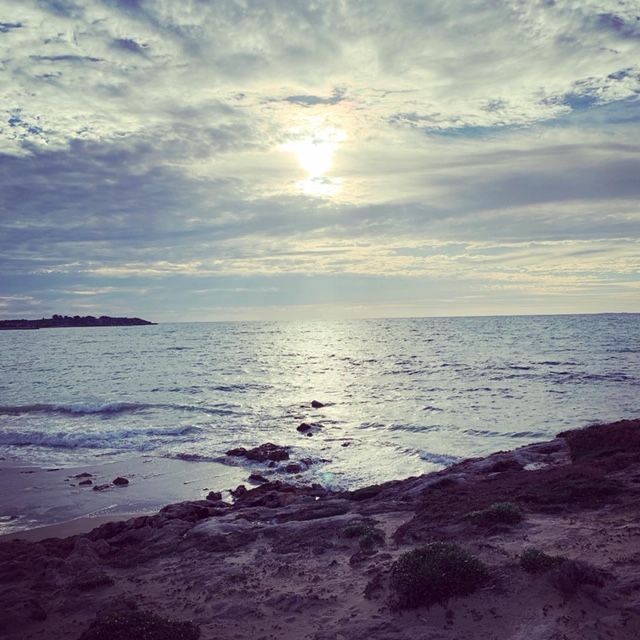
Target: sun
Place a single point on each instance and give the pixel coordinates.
(314, 149)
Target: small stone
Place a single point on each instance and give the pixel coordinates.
(83, 475)
(293, 467)
(304, 427)
(84, 483)
(256, 477)
(120, 482)
(100, 487)
(316, 405)
(214, 496)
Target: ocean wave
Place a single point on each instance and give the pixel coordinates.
(76, 408)
(192, 457)
(119, 439)
(108, 408)
(439, 458)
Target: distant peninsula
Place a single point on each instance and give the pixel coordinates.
(58, 321)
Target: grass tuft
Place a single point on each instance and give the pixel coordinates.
(498, 513)
(368, 535)
(533, 560)
(435, 573)
(569, 576)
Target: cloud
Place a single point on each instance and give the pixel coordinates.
(491, 143)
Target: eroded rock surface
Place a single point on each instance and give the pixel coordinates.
(277, 562)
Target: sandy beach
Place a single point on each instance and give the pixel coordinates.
(34, 498)
(280, 562)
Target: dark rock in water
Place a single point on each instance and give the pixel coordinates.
(256, 477)
(83, 483)
(120, 482)
(293, 467)
(83, 475)
(264, 452)
(309, 428)
(101, 487)
(240, 490)
(316, 405)
(214, 496)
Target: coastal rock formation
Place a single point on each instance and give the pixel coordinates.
(306, 563)
(264, 452)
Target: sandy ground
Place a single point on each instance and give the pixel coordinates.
(276, 564)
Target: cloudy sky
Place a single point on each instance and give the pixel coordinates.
(241, 159)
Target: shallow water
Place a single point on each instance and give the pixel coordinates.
(402, 396)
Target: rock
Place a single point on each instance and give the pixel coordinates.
(214, 496)
(309, 428)
(256, 477)
(293, 467)
(120, 482)
(100, 487)
(238, 491)
(85, 483)
(316, 405)
(264, 452)
(83, 475)
(138, 624)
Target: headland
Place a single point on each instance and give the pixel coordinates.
(57, 321)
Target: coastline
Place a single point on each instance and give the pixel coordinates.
(277, 562)
(36, 497)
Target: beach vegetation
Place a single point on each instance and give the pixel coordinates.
(367, 534)
(139, 625)
(570, 575)
(498, 513)
(533, 560)
(434, 573)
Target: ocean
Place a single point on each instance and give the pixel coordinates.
(401, 396)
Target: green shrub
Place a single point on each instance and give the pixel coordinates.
(435, 573)
(570, 575)
(498, 513)
(533, 560)
(367, 534)
(139, 625)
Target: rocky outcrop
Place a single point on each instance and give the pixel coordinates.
(265, 452)
(295, 562)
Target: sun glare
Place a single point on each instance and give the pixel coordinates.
(314, 150)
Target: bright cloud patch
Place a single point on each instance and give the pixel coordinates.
(407, 151)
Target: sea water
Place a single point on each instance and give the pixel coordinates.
(401, 396)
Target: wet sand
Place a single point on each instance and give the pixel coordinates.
(32, 497)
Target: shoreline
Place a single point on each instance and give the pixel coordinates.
(36, 497)
(277, 562)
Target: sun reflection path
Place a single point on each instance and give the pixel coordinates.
(314, 150)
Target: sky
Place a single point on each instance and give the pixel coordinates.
(276, 159)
